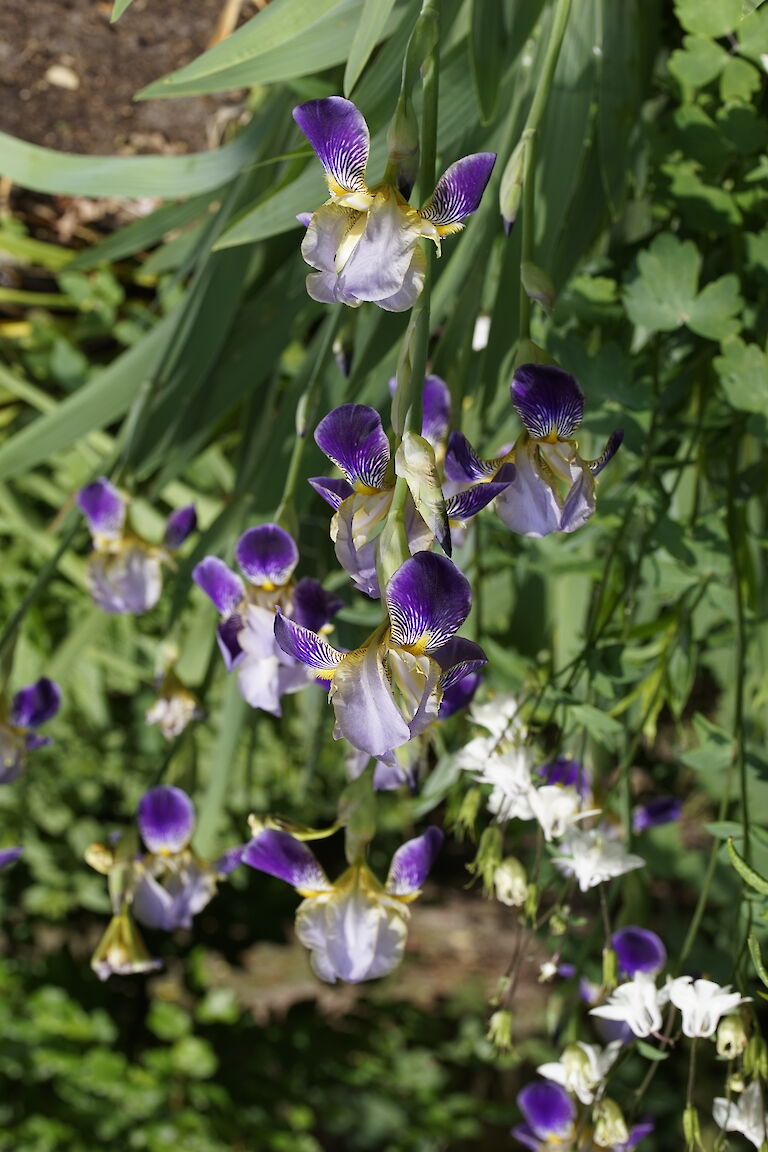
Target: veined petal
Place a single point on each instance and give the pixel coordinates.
(326, 288)
(410, 290)
(377, 267)
(330, 228)
(548, 1109)
(412, 863)
(36, 704)
(529, 505)
(612, 445)
(333, 490)
(428, 600)
(220, 584)
(279, 854)
(351, 935)
(103, 507)
(357, 558)
(353, 438)
(464, 505)
(459, 694)
(313, 607)
(548, 401)
(228, 640)
(128, 581)
(267, 555)
(366, 712)
(579, 504)
(306, 646)
(338, 133)
(166, 819)
(179, 526)
(638, 950)
(457, 658)
(459, 191)
(463, 464)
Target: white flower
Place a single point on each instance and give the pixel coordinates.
(556, 807)
(499, 716)
(702, 1003)
(593, 858)
(582, 1068)
(637, 1004)
(747, 1115)
(510, 883)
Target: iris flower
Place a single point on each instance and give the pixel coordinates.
(551, 1122)
(267, 557)
(364, 242)
(355, 928)
(553, 488)
(352, 437)
(124, 572)
(391, 688)
(31, 707)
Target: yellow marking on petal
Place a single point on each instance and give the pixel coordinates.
(450, 229)
(350, 241)
(551, 437)
(418, 647)
(365, 489)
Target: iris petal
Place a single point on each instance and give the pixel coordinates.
(459, 190)
(267, 555)
(548, 1108)
(338, 133)
(457, 658)
(166, 819)
(306, 646)
(180, 525)
(313, 607)
(462, 463)
(353, 438)
(548, 400)
(464, 505)
(279, 854)
(638, 950)
(220, 584)
(428, 600)
(333, 490)
(412, 863)
(36, 704)
(103, 507)
(365, 709)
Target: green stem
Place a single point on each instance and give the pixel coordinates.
(736, 540)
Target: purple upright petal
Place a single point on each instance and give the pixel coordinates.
(638, 950)
(457, 658)
(612, 445)
(464, 505)
(267, 555)
(166, 819)
(313, 607)
(36, 704)
(459, 694)
(462, 463)
(333, 490)
(561, 770)
(338, 133)
(548, 401)
(459, 190)
(223, 586)
(636, 1134)
(282, 855)
(436, 407)
(181, 524)
(548, 1109)
(412, 863)
(428, 600)
(103, 507)
(9, 856)
(660, 810)
(353, 438)
(306, 646)
(229, 860)
(228, 640)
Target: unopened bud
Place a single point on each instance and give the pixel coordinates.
(500, 1030)
(610, 968)
(610, 1125)
(756, 1059)
(100, 857)
(466, 817)
(558, 923)
(510, 882)
(511, 190)
(403, 146)
(731, 1037)
(488, 857)
(692, 1128)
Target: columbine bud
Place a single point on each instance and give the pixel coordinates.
(403, 146)
(488, 857)
(511, 190)
(466, 817)
(510, 882)
(756, 1059)
(610, 968)
(610, 1125)
(692, 1128)
(500, 1030)
(731, 1037)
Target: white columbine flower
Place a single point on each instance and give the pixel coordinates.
(702, 1003)
(746, 1115)
(500, 717)
(592, 857)
(582, 1068)
(557, 807)
(637, 1004)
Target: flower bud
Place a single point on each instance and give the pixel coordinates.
(500, 1030)
(558, 923)
(691, 1128)
(488, 857)
(510, 882)
(121, 950)
(403, 146)
(610, 968)
(756, 1059)
(466, 817)
(511, 190)
(610, 1125)
(731, 1037)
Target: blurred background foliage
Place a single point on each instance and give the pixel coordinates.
(172, 352)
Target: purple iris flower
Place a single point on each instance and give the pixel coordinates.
(352, 437)
(436, 409)
(553, 488)
(267, 557)
(31, 707)
(9, 856)
(364, 242)
(568, 773)
(355, 928)
(660, 810)
(124, 572)
(638, 950)
(391, 688)
(549, 1115)
(459, 695)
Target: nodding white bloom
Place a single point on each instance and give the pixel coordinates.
(124, 572)
(582, 1068)
(702, 1003)
(637, 1003)
(747, 1114)
(593, 857)
(510, 883)
(557, 807)
(364, 242)
(355, 928)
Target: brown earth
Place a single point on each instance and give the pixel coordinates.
(68, 76)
